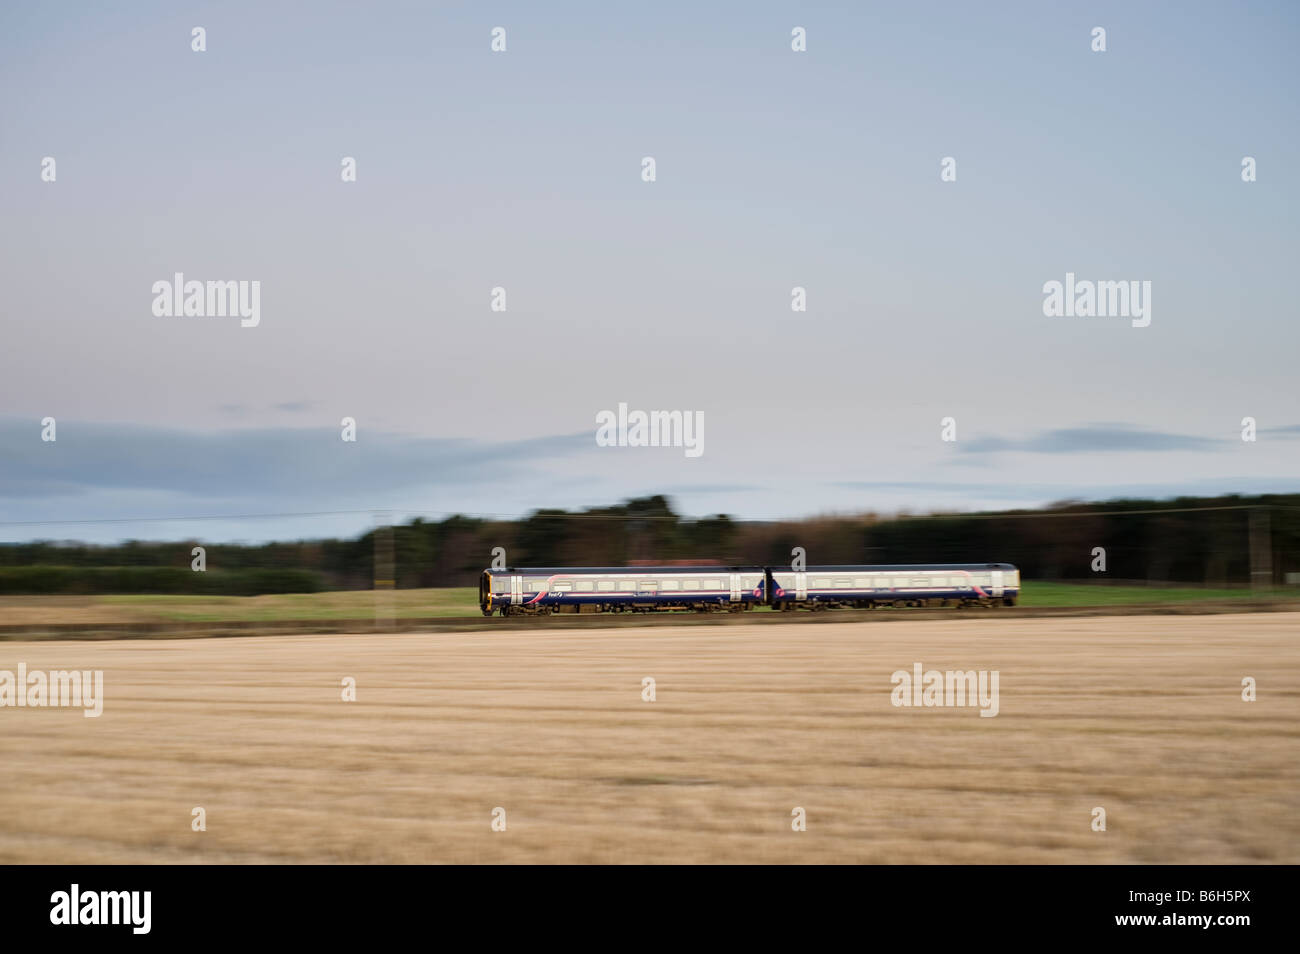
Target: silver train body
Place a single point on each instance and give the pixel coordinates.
(545, 590)
(865, 587)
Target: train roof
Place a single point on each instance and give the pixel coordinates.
(632, 570)
(906, 566)
(684, 570)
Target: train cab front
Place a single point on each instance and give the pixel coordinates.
(485, 593)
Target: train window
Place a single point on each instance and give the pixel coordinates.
(582, 586)
(627, 586)
(535, 586)
(710, 584)
(648, 585)
(668, 584)
(861, 582)
(691, 584)
(843, 584)
(563, 587)
(605, 585)
(882, 582)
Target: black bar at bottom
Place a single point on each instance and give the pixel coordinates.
(332, 905)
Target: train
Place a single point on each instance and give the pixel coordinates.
(541, 591)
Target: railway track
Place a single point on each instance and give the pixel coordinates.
(434, 624)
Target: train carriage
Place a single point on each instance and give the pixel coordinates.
(827, 587)
(544, 590)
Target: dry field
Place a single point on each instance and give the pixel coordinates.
(1140, 715)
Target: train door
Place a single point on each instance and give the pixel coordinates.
(997, 583)
(516, 590)
(800, 586)
(735, 587)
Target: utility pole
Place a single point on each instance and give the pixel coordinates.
(385, 571)
(1261, 550)
(636, 548)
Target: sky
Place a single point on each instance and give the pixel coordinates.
(523, 169)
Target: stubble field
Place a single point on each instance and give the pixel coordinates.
(1140, 715)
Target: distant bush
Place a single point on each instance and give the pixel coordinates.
(155, 579)
(1206, 541)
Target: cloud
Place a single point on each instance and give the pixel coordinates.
(1036, 494)
(710, 489)
(1008, 491)
(280, 462)
(1290, 430)
(1092, 438)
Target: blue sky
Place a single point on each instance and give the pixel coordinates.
(522, 169)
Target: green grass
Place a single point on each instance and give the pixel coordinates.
(1095, 594)
(463, 601)
(338, 604)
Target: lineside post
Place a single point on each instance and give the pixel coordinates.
(1261, 549)
(385, 571)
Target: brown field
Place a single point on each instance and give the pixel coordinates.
(1140, 715)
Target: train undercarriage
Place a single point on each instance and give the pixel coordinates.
(785, 606)
(592, 608)
(782, 606)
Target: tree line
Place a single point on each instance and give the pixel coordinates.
(1214, 541)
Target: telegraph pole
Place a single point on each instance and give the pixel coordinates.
(385, 570)
(1261, 550)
